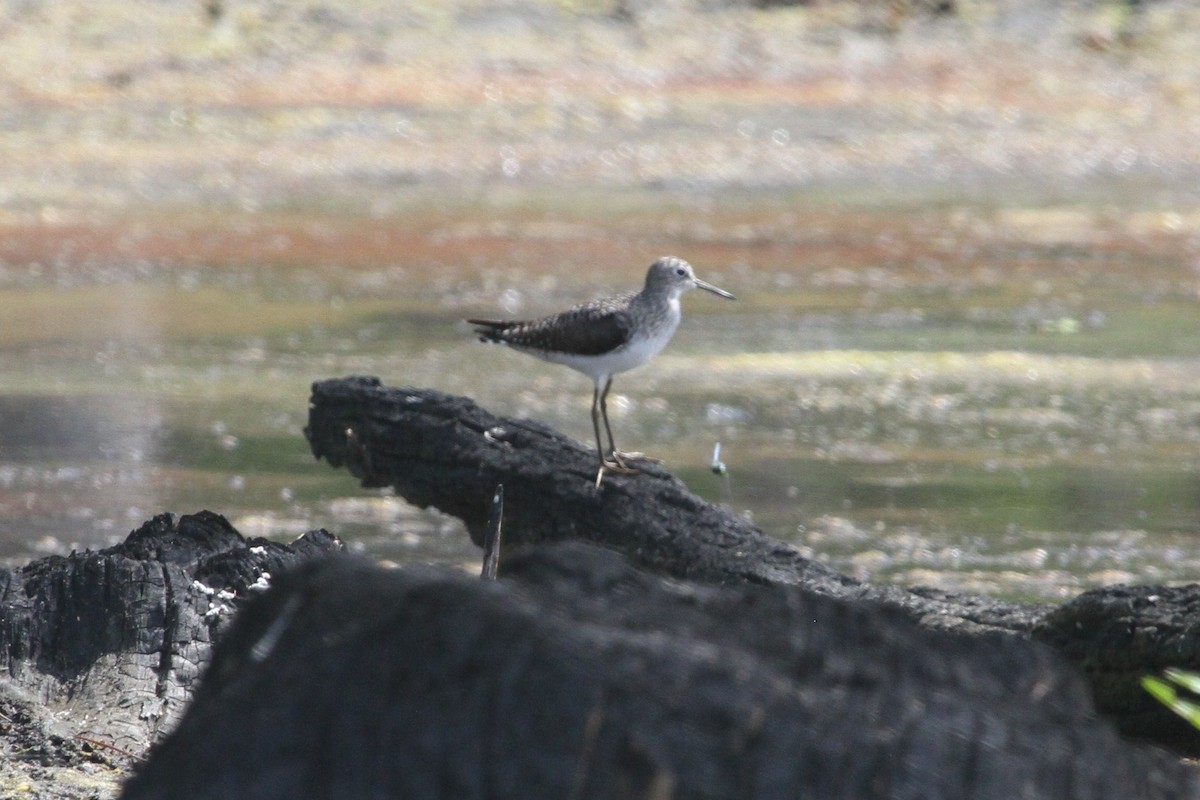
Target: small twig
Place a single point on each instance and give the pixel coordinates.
(106, 746)
(587, 750)
(491, 537)
(355, 445)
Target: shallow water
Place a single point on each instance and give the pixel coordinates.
(997, 401)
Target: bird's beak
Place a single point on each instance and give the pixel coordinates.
(708, 287)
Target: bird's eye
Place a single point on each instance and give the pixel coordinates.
(680, 271)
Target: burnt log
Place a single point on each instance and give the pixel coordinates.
(446, 451)
(110, 643)
(1117, 635)
(578, 676)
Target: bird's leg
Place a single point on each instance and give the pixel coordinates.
(606, 464)
(596, 428)
(612, 446)
(609, 460)
(616, 459)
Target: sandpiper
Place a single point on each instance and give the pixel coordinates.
(604, 337)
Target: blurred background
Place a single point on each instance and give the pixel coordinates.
(965, 238)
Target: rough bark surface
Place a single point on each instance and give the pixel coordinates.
(1117, 635)
(108, 644)
(578, 676)
(446, 451)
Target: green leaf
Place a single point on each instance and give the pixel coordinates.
(1167, 694)
(1188, 680)
(1162, 691)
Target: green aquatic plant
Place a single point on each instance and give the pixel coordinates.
(1168, 693)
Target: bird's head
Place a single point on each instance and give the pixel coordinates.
(674, 276)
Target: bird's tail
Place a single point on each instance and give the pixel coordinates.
(490, 330)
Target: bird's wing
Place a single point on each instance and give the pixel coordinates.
(590, 329)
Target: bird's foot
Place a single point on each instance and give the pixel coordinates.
(618, 456)
(615, 465)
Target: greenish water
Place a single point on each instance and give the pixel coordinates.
(970, 407)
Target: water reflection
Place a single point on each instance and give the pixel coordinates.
(75, 471)
(991, 425)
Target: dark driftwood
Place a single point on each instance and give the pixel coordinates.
(446, 451)
(1119, 634)
(111, 642)
(576, 676)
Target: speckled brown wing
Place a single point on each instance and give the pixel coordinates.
(590, 329)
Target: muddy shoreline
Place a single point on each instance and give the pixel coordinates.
(382, 108)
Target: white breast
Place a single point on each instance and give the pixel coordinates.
(637, 352)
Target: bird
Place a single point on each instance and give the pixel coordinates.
(602, 338)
